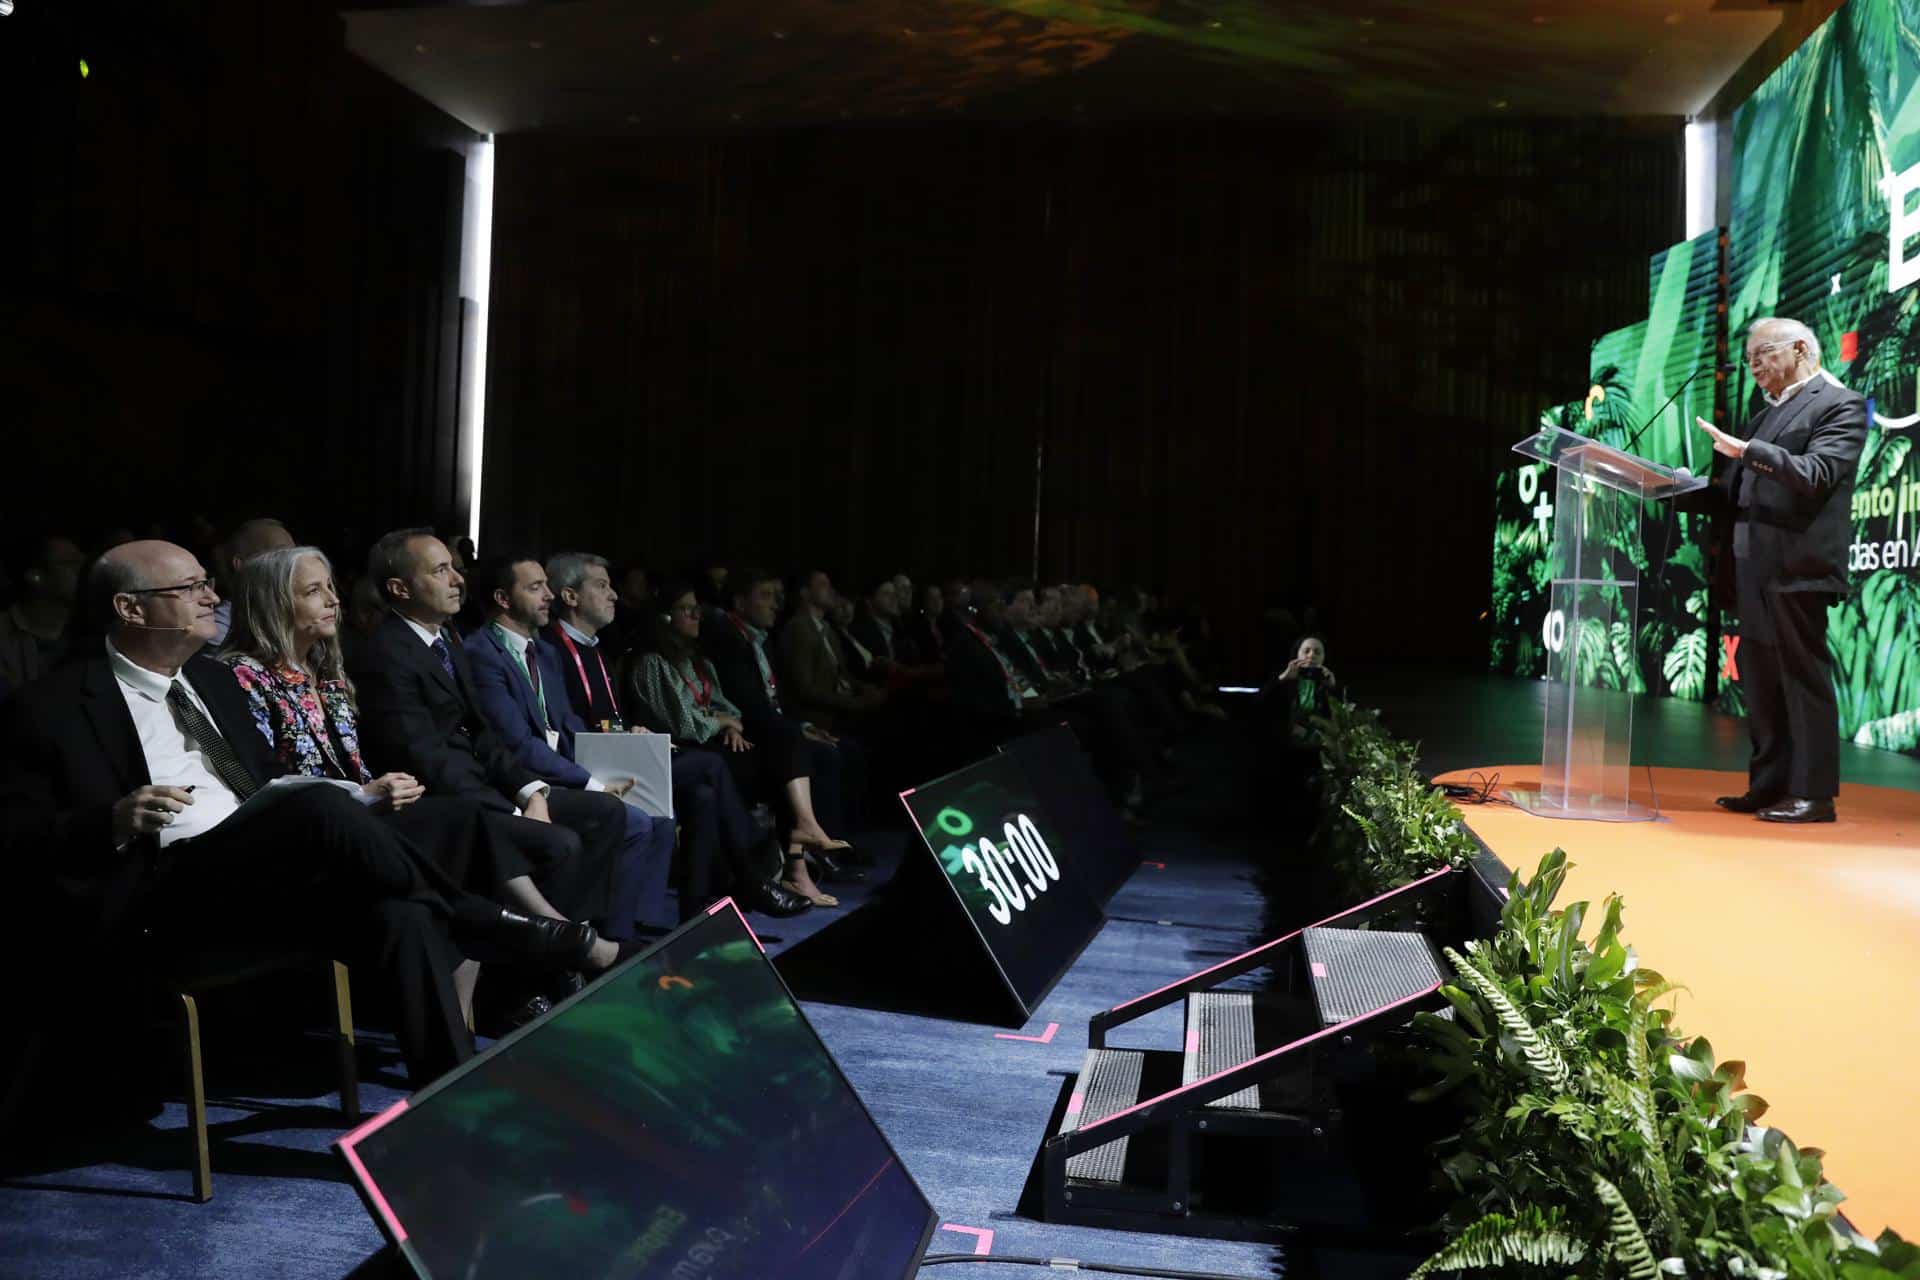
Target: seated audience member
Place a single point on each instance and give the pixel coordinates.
(585, 607)
(248, 539)
(990, 699)
(514, 671)
(1101, 716)
(924, 629)
(681, 689)
(736, 643)
(816, 676)
(33, 630)
(285, 653)
(862, 663)
(879, 627)
(137, 771)
(418, 715)
(719, 838)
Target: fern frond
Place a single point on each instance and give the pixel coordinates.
(1534, 1238)
(1628, 1244)
(1541, 1057)
(1640, 1107)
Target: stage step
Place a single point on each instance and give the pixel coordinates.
(1219, 1037)
(1109, 1083)
(1358, 971)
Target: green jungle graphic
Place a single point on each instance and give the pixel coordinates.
(1826, 163)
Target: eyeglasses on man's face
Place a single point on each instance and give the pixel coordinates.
(198, 587)
(1755, 354)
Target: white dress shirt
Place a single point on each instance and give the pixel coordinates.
(171, 760)
(427, 636)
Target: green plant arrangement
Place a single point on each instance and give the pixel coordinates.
(1596, 1140)
(1381, 824)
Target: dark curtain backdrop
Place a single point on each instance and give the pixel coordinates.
(1258, 366)
(229, 276)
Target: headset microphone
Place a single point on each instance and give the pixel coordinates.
(142, 626)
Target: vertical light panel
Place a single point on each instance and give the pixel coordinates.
(1702, 175)
(476, 271)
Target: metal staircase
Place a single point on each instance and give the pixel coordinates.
(1183, 1140)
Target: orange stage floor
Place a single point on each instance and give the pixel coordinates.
(1799, 948)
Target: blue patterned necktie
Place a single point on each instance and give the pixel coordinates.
(445, 655)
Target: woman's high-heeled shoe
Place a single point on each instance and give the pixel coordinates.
(817, 898)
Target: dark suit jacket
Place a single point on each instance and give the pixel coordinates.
(1801, 457)
(866, 629)
(68, 752)
(811, 662)
(733, 662)
(507, 702)
(979, 685)
(1033, 665)
(414, 719)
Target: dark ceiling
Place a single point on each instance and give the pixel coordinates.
(600, 66)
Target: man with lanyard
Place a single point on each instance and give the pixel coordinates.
(584, 605)
(737, 647)
(513, 672)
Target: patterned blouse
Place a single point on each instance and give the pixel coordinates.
(684, 697)
(293, 711)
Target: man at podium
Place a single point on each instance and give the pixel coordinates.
(1789, 492)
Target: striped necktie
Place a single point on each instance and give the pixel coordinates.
(200, 731)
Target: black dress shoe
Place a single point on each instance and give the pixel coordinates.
(827, 866)
(769, 899)
(493, 1025)
(1748, 803)
(1798, 811)
(566, 943)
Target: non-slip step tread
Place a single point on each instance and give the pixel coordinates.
(1220, 1036)
(1355, 972)
(1109, 1083)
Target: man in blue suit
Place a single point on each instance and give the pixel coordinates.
(517, 681)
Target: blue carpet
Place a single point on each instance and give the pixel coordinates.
(966, 1110)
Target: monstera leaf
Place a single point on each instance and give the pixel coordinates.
(1686, 666)
(1876, 653)
(1593, 659)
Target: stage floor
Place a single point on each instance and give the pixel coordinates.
(1799, 947)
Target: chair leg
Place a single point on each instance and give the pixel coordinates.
(343, 1040)
(196, 1101)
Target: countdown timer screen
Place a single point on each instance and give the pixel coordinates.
(678, 1120)
(1006, 860)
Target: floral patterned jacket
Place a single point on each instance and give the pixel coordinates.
(294, 711)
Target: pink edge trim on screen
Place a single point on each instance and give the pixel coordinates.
(347, 1144)
(722, 905)
(982, 1237)
(1271, 1053)
(1265, 946)
(909, 791)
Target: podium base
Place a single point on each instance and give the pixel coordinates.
(1555, 804)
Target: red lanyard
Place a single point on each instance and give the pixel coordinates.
(772, 684)
(702, 696)
(1006, 671)
(606, 681)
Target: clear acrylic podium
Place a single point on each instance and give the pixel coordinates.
(1587, 749)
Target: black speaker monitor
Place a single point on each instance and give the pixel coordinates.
(678, 1118)
(1026, 894)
